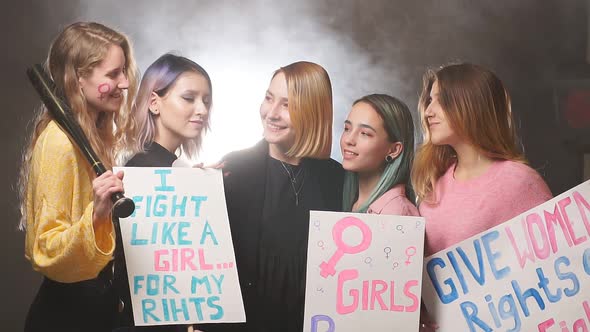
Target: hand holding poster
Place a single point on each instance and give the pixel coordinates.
(531, 273)
(363, 272)
(178, 248)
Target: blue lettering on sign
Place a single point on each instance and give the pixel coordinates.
(316, 319)
(208, 231)
(163, 186)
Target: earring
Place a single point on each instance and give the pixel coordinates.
(389, 159)
(154, 112)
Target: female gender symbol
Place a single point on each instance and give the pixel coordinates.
(368, 261)
(395, 265)
(400, 228)
(321, 244)
(387, 251)
(317, 224)
(327, 268)
(410, 251)
(103, 89)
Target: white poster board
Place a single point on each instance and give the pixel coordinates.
(364, 272)
(531, 273)
(178, 248)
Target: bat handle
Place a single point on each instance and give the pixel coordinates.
(123, 206)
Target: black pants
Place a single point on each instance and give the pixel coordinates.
(88, 306)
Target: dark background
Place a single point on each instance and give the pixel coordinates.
(367, 46)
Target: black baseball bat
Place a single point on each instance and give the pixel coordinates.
(122, 206)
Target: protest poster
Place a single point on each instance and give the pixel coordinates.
(364, 272)
(531, 273)
(178, 248)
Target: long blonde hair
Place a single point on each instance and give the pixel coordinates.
(73, 54)
(477, 107)
(310, 109)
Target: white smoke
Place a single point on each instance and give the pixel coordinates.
(241, 43)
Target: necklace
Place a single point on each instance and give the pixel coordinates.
(293, 180)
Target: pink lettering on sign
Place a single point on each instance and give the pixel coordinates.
(540, 230)
(183, 259)
(373, 294)
(341, 308)
(223, 266)
(327, 268)
(583, 206)
(579, 325)
(544, 326)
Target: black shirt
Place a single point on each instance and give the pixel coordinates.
(270, 232)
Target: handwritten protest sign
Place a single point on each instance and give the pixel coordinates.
(364, 272)
(178, 248)
(531, 273)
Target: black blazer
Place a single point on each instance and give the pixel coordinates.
(245, 184)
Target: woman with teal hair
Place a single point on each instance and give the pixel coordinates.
(378, 149)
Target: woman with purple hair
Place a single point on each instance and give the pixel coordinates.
(170, 112)
(170, 117)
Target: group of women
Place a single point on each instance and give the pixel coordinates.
(468, 175)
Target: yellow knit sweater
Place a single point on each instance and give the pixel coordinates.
(60, 240)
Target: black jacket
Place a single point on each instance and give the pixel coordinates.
(245, 183)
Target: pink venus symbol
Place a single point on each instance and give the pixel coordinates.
(327, 268)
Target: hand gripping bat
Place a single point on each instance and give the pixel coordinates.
(63, 115)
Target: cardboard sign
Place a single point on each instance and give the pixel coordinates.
(178, 248)
(531, 273)
(364, 272)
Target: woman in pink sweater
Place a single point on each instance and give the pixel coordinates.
(469, 174)
(378, 148)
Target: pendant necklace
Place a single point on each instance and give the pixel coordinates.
(293, 180)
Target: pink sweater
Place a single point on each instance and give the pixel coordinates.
(394, 202)
(467, 208)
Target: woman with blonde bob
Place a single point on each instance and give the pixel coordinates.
(469, 174)
(66, 209)
(270, 190)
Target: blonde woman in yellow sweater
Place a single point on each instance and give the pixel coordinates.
(65, 208)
